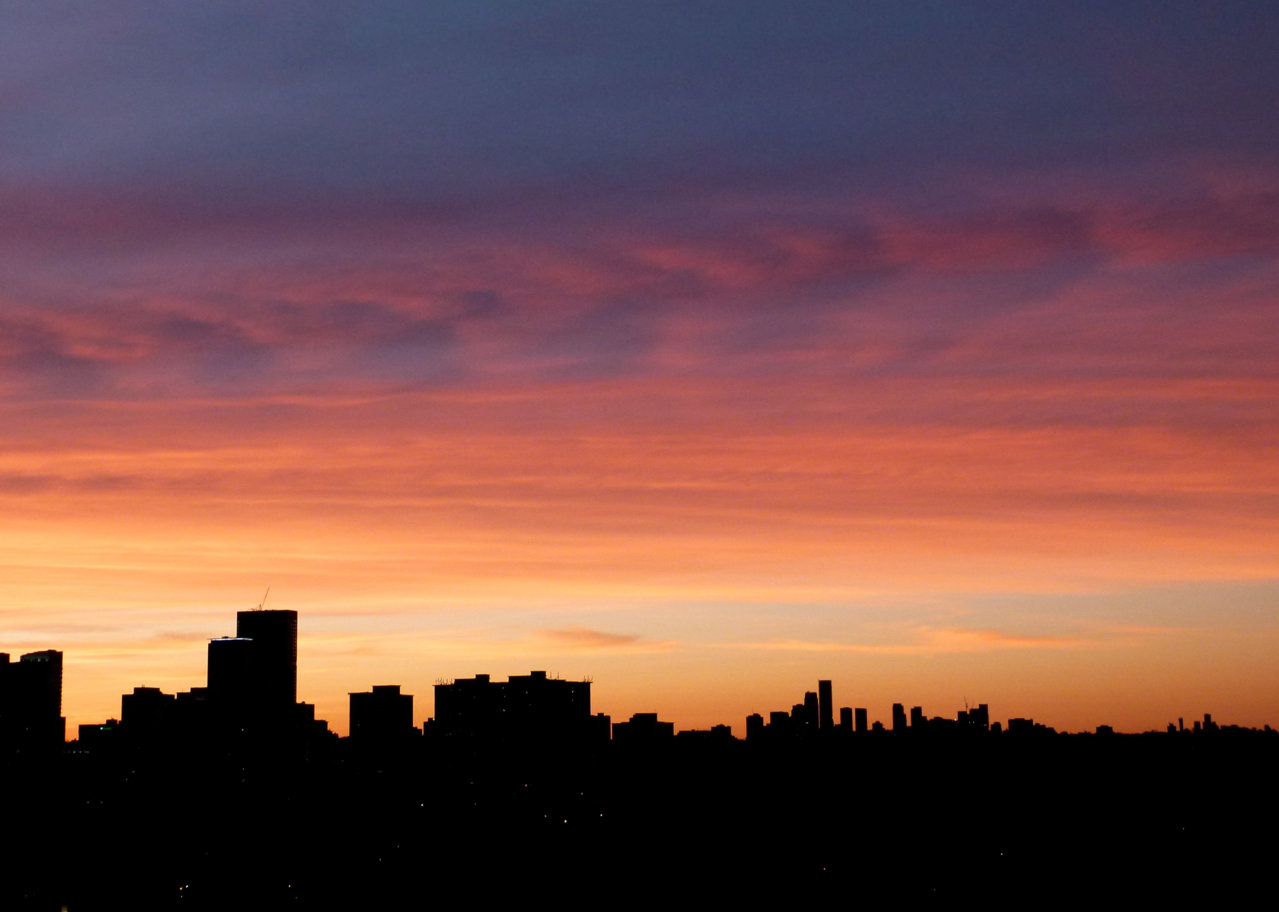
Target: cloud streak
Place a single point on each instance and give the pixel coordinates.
(992, 295)
(928, 641)
(581, 639)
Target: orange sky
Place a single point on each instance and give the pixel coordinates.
(706, 352)
(704, 561)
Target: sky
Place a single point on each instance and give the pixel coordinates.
(700, 349)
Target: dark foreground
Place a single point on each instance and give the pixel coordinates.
(1004, 819)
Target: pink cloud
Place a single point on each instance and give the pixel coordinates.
(580, 639)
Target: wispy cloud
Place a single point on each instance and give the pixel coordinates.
(580, 639)
(928, 641)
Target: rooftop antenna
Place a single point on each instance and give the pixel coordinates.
(262, 603)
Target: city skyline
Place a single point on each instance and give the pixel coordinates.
(703, 350)
(253, 676)
(520, 776)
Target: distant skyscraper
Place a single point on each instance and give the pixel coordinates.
(826, 712)
(899, 718)
(275, 654)
(810, 710)
(859, 718)
(846, 718)
(979, 718)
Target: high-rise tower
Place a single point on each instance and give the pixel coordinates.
(275, 653)
(825, 709)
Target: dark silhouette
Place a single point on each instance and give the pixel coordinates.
(275, 654)
(643, 729)
(383, 715)
(31, 702)
(824, 706)
(524, 708)
(234, 796)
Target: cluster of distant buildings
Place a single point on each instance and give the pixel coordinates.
(816, 715)
(250, 693)
(251, 696)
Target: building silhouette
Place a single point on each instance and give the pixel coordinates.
(250, 694)
(193, 710)
(532, 706)
(252, 677)
(232, 675)
(814, 716)
(147, 712)
(807, 712)
(96, 735)
(825, 710)
(275, 654)
(716, 734)
(643, 729)
(31, 701)
(382, 714)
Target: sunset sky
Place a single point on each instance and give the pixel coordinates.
(705, 349)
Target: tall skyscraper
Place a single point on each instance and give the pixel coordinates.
(810, 714)
(275, 654)
(826, 711)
